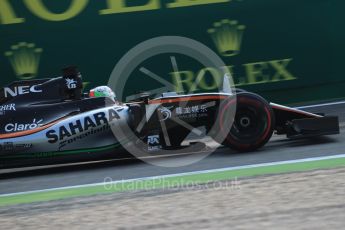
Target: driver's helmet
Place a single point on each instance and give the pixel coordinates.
(102, 91)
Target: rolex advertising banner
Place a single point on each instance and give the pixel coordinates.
(290, 51)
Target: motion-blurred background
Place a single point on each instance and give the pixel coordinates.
(289, 50)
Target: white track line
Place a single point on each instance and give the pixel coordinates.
(179, 174)
(321, 105)
(197, 172)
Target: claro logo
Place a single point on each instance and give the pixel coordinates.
(20, 90)
(16, 127)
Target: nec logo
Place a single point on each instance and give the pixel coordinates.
(20, 90)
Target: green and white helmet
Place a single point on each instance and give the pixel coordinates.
(102, 91)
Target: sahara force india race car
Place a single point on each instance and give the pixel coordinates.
(50, 121)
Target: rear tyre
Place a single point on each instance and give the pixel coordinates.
(252, 126)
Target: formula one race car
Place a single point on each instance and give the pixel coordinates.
(50, 121)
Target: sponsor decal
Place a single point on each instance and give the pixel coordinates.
(9, 15)
(9, 107)
(166, 113)
(83, 135)
(191, 109)
(196, 111)
(11, 147)
(153, 143)
(17, 127)
(227, 36)
(7, 146)
(71, 83)
(86, 126)
(20, 90)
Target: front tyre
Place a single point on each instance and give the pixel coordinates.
(252, 126)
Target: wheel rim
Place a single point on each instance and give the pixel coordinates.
(250, 122)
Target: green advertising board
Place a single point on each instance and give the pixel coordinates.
(289, 50)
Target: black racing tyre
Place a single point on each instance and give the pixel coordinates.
(252, 126)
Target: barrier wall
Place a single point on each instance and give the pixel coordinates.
(289, 50)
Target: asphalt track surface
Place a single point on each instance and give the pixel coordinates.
(278, 149)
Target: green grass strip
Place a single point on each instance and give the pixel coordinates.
(169, 182)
